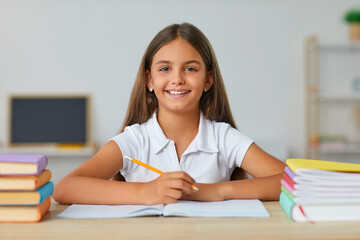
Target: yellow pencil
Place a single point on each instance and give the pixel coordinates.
(152, 168)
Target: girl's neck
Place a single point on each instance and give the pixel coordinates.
(179, 125)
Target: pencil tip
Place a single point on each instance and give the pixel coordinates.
(128, 158)
(195, 188)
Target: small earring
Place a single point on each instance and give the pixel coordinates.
(151, 89)
(205, 90)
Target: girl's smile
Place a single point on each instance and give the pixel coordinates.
(178, 93)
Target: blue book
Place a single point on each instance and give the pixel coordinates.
(35, 197)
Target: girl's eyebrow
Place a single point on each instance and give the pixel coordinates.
(162, 62)
(193, 61)
(169, 62)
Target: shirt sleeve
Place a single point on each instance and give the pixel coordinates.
(233, 145)
(130, 143)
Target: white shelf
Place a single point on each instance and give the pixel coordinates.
(62, 160)
(339, 98)
(347, 150)
(86, 151)
(332, 104)
(340, 152)
(350, 46)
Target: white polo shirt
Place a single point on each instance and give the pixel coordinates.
(211, 157)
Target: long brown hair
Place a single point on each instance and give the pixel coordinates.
(214, 103)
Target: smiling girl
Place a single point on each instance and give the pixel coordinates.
(178, 121)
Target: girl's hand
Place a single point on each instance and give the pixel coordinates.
(207, 193)
(167, 188)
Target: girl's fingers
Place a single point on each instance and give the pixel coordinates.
(181, 175)
(174, 194)
(168, 187)
(181, 181)
(168, 200)
(180, 185)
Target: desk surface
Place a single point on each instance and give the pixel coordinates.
(278, 226)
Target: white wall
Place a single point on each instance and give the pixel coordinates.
(96, 46)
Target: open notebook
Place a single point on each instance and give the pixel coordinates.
(227, 208)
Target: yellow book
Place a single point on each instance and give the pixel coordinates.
(295, 164)
(11, 183)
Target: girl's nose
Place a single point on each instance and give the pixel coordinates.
(178, 78)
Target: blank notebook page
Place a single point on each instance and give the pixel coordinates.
(110, 211)
(227, 208)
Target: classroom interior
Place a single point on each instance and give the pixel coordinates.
(291, 69)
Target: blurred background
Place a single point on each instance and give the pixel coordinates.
(276, 57)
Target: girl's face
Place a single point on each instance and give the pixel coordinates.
(179, 77)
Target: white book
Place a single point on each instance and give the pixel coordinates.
(227, 208)
(326, 211)
(327, 175)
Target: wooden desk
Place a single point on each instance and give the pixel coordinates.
(278, 226)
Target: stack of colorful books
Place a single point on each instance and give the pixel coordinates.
(315, 190)
(25, 187)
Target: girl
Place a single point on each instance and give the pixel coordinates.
(178, 121)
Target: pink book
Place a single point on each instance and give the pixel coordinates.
(287, 186)
(22, 164)
(288, 180)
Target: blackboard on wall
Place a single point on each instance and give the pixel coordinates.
(44, 119)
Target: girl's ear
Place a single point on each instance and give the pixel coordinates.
(148, 79)
(209, 80)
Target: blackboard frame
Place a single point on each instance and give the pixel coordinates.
(49, 99)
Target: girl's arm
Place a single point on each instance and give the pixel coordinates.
(90, 184)
(266, 170)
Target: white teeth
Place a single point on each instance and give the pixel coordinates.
(178, 93)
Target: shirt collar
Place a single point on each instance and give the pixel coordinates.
(156, 134)
(204, 140)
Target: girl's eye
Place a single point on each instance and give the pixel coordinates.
(164, 69)
(190, 69)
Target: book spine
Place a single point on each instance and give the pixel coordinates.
(42, 163)
(43, 208)
(287, 186)
(43, 178)
(288, 179)
(287, 204)
(45, 191)
(290, 173)
(284, 190)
